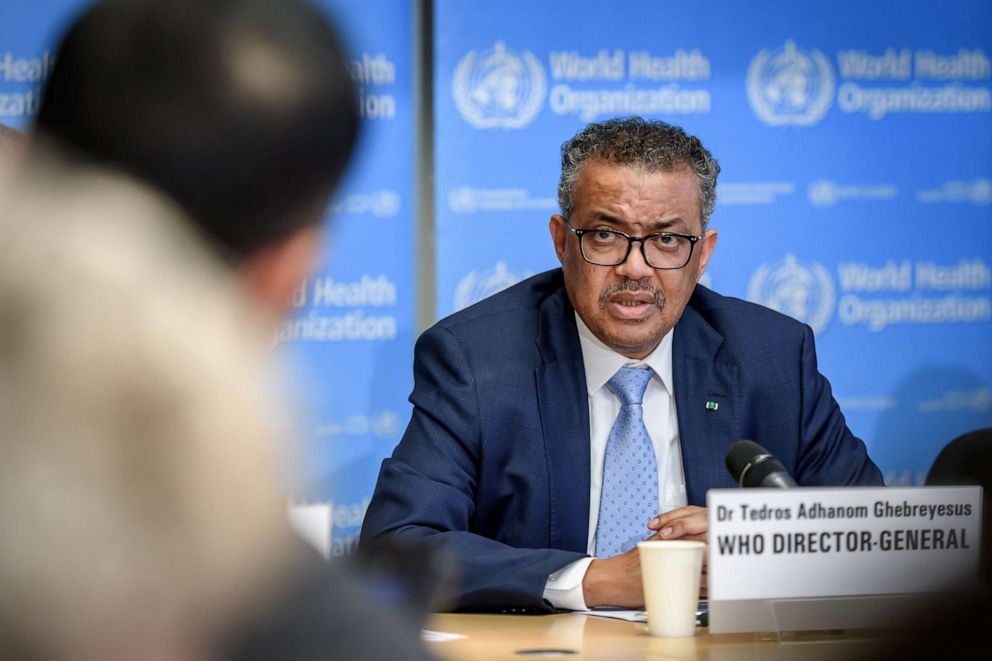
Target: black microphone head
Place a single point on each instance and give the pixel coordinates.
(741, 455)
(753, 466)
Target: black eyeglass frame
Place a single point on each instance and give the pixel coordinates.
(630, 242)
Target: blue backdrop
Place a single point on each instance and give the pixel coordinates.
(350, 339)
(855, 142)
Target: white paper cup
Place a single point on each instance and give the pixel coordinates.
(671, 572)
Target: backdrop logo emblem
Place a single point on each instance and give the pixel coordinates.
(823, 193)
(980, 191)
(790, 86)
(802, 291)
(462, 200)
(478, 285)
(499, 88)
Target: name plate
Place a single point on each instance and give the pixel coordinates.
(769, 545)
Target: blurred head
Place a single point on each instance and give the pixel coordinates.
(242, 111)
(638, 178)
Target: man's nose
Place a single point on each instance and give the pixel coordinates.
(634, 267)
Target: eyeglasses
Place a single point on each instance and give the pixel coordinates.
(605, 247)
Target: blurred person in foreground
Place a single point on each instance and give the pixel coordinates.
(563, 420)
(169, 204)
(137, 508)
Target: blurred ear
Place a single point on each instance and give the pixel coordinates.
(558, 232)
(272, 275)
(706, 248)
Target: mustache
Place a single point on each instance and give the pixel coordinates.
(633, 286)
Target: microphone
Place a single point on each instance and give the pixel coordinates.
(753, 466)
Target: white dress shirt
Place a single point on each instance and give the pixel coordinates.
(564, 587)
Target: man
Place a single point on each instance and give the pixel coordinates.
(226, 123)
(535, 409)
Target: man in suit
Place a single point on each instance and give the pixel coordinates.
(531, 453)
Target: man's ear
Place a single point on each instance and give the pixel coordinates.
(706, 248)
(558, 232)
(273, 274)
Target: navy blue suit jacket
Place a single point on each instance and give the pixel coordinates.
(494, 465)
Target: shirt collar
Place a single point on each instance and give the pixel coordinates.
(602, 362)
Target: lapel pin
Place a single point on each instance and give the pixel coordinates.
(712, 406)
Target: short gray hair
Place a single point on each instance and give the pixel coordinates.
(654, 145)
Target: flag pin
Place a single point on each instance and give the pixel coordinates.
(712, 406)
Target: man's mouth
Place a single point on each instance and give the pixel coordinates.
(632, 299)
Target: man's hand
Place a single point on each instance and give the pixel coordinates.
(614, 581)
(687, 522)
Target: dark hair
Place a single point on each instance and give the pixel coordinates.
(654, 145)
(243, 111)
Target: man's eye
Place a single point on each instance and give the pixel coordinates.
(666, 241)
(602, 236)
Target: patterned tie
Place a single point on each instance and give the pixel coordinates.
(629, 497)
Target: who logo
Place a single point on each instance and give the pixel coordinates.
(790, 86)
(499, 88)
(801, 291)
(481, 284)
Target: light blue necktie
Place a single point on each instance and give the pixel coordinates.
(629, 496)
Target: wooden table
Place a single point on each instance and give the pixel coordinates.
(580, 636)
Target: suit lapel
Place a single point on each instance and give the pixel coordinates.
(563, 403)
(707, 402)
